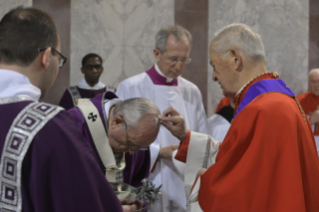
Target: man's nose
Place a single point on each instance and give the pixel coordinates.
(179, 65)
(214, 77)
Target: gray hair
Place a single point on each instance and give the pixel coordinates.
(135, 109)
(176, 30)
(240, 37)
(312, 71)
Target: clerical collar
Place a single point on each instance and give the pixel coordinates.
(168, 79)
(13, 83)
(85, 85)
(158, 77)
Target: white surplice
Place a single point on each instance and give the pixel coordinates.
(218, 127)
(83, 84)
(187, 99)
(13, 83)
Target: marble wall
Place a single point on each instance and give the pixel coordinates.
(6, 5)
(283, 26)
(121, 31)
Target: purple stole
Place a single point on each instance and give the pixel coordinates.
(262, 87)
(158, 79)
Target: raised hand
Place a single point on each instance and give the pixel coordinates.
(166, 152)
(174, 122)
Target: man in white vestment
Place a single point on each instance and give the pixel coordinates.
(219, 123)
(164, 85)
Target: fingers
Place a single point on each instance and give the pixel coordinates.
(126, 202)
(138, 204)
(129, 208)
(171, 111)
(174, 147)
(168, 125)
(173, 119)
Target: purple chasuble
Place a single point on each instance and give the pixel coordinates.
(67, 102)
(137, 165)
(59, 172)
(157, 79)
(262, 87)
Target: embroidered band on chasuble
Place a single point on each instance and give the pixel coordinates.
(21, 133)
(75, 94)
(113, 169)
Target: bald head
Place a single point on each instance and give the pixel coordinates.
(313, 81)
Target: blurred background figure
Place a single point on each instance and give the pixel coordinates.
(309, 102)
(90, 86)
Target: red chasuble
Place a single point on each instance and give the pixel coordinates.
(309, 103)
(267, 163)
(223, 102)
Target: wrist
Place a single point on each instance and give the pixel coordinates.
(185, 135)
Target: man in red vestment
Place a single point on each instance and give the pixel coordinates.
(268, 159)
(309, 102)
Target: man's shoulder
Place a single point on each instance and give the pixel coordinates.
(273, 102)
(302, 96)
(186, 83)
(134, 80)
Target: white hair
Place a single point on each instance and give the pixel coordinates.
(240, 37)
(135, 109)
(313, 70)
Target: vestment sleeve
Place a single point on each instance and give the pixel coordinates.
(198, 151)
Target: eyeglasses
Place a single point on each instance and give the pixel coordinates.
(91, 67)
(131, 146)
(314, 82)
(174, 60)
(62, 59)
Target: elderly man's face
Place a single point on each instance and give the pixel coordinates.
(314, 82)
(173, 62)
(223, 73)
(128, 139)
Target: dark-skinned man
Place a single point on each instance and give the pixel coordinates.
(90, 86)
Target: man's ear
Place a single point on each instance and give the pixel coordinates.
(236, 59)
(45, 60)
(157, 54)
(82, 70)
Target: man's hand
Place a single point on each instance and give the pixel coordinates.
(314, 117)
(166, 152)
(129, 206)
(174, 122)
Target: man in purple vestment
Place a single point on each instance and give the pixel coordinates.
(90, 86)
(46, 164)
(138, 117)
